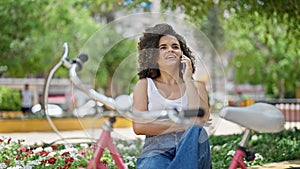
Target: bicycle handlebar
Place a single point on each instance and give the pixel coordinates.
(77, 66)
(123, 103)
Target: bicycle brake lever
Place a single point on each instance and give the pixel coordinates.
(82, 58)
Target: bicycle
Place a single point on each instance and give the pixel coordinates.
(271, 119)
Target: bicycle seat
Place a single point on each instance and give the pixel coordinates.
(260, 117)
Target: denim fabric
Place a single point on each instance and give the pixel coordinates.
(183, 150)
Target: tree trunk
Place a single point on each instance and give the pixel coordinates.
(281, 88)
(108, 87)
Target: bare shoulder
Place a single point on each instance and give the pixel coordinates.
(140, 97)
(141, 84)
(140, 87)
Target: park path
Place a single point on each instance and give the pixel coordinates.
(218, 127)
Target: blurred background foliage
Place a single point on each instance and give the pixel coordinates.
(9, 99)
(260, 37)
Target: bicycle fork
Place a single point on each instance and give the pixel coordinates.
(241, 153)
(106, 141)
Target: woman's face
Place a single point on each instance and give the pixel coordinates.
(169, 51)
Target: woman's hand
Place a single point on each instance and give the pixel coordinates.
(188, 70)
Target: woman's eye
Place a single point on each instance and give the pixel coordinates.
(175, 47)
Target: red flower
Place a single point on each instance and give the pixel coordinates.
(6, 162)
(54, 147)
(43, 153)
(28, 152)
(64, 167)
(51, 160)
(65, 154)
(22, 149)
(43, 162)
(67, 160)
(67, 166)
(18, 157)
(82, 152)
(1, 140)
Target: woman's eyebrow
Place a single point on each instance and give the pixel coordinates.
(173, 44)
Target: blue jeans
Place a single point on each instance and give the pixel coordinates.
(179, 150)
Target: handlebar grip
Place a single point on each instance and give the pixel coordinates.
(83, 57)
(194, 113)
(80, 60)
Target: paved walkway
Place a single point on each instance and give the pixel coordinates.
(281, 165)
(218, 127)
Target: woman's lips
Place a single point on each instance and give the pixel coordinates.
(171, 57)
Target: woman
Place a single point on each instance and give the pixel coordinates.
(165, 82)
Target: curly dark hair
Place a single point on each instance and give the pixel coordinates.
(148, 50)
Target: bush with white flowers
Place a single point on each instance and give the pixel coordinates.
(15, 155)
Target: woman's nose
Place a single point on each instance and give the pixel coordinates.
(170, 49)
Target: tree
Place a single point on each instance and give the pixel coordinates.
(119, 75)
(112, 61)
(265, 31)
(113, 65)
(267, 53)
(34, 31)
(265, 46)
(263, 35)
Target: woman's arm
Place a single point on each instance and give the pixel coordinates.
(198, 97)
(204, 100)
(140, 103)
(196, 90)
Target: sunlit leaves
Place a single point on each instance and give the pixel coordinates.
(262, 35)
(34, 31)
(270, 39)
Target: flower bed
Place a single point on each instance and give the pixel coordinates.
(283, 146)
(15, 155)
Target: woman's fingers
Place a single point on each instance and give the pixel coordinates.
(188, 64)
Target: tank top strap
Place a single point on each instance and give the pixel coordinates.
(151, 85)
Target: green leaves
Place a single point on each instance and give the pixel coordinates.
(283, 146)
(265, 41)
(9, 99)
(262, 35)
(34, 31)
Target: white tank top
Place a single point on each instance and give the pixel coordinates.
(157, 102)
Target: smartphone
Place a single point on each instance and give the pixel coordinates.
(182, 64)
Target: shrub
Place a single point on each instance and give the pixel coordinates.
(283, 146)
(9, 99)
